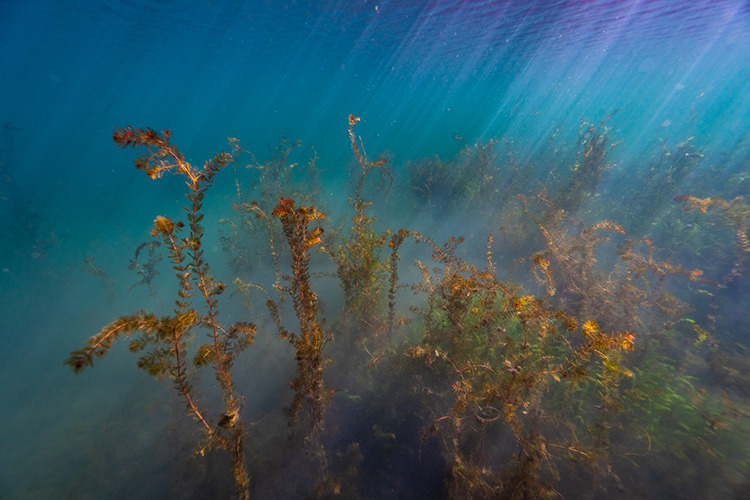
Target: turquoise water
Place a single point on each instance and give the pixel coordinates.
(664, 78)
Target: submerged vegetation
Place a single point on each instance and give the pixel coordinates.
(560, 353)
(169, 337)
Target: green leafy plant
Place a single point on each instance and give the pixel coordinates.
(359, 266)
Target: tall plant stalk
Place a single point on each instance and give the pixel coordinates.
(168, 336)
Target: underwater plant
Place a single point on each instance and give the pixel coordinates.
(499, 351)
(469, 178)
(258, 188)
(357, 258)
(619, 295)
(147, 269)
(311, 339)
(492, 387)
(736, 213)
(101, 276)
(593, 147)
(166, 339)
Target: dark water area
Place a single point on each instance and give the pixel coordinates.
(564, 313)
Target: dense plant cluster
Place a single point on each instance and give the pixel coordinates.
(568, 368)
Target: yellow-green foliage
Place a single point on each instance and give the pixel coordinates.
(591, 162)
(499, 351)
(358, 262)
(468, 181)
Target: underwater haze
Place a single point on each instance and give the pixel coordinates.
(374, 249)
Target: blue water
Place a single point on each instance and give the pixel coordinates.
(417, 73)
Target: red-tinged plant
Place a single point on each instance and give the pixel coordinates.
(168, 337)
(311, 338)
